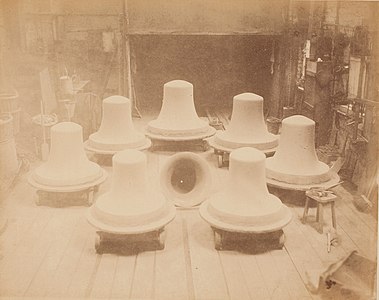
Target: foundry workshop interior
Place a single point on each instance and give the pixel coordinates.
(198, 149)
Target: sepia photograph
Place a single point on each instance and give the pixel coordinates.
(189, 149)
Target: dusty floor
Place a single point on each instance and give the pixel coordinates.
(48, 251)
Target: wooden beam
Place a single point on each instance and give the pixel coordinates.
(210, 33)
(364, 101)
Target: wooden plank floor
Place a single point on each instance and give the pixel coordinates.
(49, 252)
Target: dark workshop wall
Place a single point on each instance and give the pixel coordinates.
(222, 47)
(219, 67)
(206, 16)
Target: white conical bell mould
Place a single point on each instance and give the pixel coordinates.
(245, 205)
(178, 119)
(130, 207)
(116, 131)
(295, 161)
(247, 127)
(67, 165)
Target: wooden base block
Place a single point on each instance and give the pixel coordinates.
(248, 242)
(62, 199)
(223, 157)
(129, 243)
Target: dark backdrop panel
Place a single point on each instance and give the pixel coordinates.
(204, 16)
(219, 67)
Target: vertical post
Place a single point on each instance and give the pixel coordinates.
(336, 60)
(286, 60)
(337, 24)
(279, 79)
(127, 51)
(128, 79)
(121, 56)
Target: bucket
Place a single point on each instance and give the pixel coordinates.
(48, 122)
(6, 127)
(273, 125)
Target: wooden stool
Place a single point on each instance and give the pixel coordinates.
(322, 198)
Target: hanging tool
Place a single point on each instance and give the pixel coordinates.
(44, 145)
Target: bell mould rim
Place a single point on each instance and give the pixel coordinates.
(176, 138)
(152, 226)
(215, 145)
(334, 179)
(287, 217)
(67, 188)
(87, 147)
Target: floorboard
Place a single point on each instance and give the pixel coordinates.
(42, 280)
(288, 271)
(122, 282)
(17, 228)
(18, 269)
(82, 279)
(143, 286)
(273, 277)
(254, 278)
(365, 243)
(235, 278)
(347, 199)
(208, 284)
(318, 240)
(69, 265)
(171, 274)
(304, 257)
(103, 282)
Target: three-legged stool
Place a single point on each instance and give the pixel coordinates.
(322, 197)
